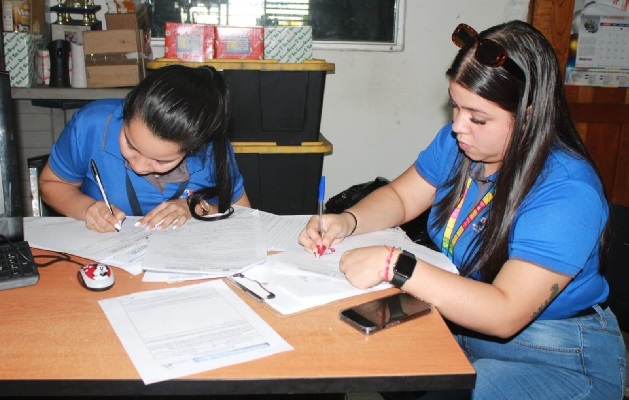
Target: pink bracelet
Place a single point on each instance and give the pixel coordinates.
(388, 263)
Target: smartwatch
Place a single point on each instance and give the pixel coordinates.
(404, 268)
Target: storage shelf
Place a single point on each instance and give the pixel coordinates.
(261, 65)
(56, 93)
(322, 146)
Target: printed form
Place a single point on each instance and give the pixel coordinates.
(174, 332)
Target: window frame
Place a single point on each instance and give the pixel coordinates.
(396, 45)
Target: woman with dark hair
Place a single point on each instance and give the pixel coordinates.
(519, 208)
(161, 153)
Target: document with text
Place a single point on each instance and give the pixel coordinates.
(219, 248)
(294, 280)
(169, 333)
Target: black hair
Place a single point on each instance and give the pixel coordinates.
(190, 107)
(542, 121)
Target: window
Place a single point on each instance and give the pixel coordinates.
(336, 24)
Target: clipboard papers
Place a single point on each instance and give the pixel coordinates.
(289, 290)
(294, 280)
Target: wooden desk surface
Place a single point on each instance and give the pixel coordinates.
(56, 340)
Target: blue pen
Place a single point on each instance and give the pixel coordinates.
(321, 197)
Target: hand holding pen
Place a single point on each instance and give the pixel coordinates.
(99, 182)
(320, 247)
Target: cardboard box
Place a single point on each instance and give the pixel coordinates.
(136, 20)
(113, 58)
(38, 16)
(239, 43)
(189, 42)
(288, 44)
(19, 57)
(121, 21)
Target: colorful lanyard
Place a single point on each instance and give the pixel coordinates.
(448, 242)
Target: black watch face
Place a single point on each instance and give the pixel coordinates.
(405, 264)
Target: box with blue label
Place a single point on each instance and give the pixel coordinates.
(19, 58)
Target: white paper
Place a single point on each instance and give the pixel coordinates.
(390, 237)
(220, 248)
(122, 249)
(288, 290)
(294, 280)
(170, 333)
(173, 277)
(283, 230)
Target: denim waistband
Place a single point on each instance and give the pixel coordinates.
(589, 310)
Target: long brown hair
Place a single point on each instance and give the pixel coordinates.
(542, 121)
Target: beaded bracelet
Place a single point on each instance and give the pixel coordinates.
(388, 263)
(355, 221)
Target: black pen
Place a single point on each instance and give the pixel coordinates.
(269, 295)
(102, 190)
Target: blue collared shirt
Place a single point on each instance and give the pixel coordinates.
(94, 132)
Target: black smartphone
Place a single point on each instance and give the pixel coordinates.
(386, 312)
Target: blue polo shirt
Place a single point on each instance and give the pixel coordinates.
(93, 133)
(558, 225)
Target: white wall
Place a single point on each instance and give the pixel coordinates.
(380, 109)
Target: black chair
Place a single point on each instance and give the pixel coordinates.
(617, 266)
(38, 207)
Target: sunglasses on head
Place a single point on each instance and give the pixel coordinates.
(487, 52)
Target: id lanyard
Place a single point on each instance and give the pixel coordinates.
(448, 242)
(133, 197)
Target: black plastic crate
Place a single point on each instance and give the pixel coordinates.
(270, 101)
(275, 106)
(282, 180)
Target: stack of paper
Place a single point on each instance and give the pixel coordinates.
(294, 280)
(202, 249)
(290, 281)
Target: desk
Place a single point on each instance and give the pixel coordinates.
(60, 94)
(57, 341)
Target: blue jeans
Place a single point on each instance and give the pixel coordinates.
(574, 358)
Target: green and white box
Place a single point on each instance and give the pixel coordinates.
(288, 44)
(19, 58)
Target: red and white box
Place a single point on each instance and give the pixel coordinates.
(189, 42)
(239, 43)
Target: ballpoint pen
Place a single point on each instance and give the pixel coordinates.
(321, 249)
(102, 190)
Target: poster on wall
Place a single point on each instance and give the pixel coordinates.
(599, 44)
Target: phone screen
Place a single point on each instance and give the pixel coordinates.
(385, 312)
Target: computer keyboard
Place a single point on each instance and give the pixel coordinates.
(17, 267)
